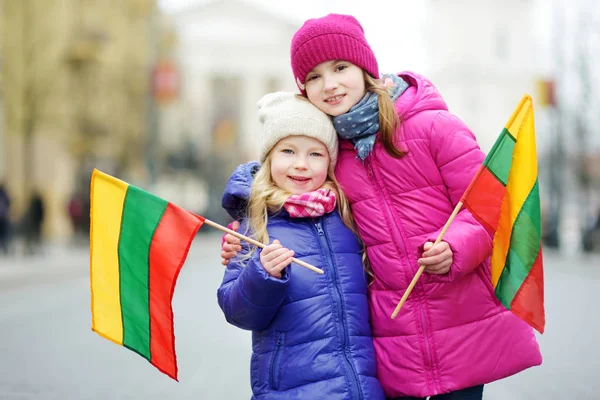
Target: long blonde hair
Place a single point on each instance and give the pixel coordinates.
(389, 120)
(266, 198)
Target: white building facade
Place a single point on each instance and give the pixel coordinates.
(230, 54)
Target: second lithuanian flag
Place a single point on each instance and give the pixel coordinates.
(504, 196)
(138, 244)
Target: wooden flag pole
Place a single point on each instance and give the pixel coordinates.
(258, 244)
(422, 267)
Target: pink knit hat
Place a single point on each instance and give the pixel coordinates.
(333, 37)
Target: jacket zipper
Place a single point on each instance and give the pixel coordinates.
(274, 372)
(427, 347)
(355, 391)
(371, 173)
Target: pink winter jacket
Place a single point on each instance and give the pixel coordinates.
(452, 333)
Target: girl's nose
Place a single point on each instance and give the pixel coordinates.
(330, 84)
(300, 163)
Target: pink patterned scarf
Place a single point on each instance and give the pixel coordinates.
(311, 204)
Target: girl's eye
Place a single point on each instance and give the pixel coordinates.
(312, 78)
(287, 151)
(341, 67)
(315, 154)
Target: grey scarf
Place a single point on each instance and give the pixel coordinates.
(361, 123)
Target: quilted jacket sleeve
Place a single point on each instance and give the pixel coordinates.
(458, 158)
(248, 296)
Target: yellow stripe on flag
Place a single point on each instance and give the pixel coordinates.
(523, 175)
(107, 198)
(515, 122)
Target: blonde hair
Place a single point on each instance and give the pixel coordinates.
(266, 198)
(389, 120)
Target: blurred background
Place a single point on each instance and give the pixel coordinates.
(162, 94)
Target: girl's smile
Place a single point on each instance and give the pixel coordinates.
(335, 86)
(299, 164)
(335, 100)
(299, 181)
(299, 178)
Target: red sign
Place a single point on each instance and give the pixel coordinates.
(165, 82)
(547, 92)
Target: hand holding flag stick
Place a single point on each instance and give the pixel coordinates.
(503, 197)
(422, 267)
(258, 244)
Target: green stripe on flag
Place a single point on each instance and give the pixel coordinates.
(141, 214)
(524, 247)
(499, 160)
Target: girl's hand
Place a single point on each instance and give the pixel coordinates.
(275, 258)
(436, 259)
(231, 245)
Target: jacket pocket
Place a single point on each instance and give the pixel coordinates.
(276, 360)
(487, 281)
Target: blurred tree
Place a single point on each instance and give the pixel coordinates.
(574, 116)
(551, 96)
(32, 76)
(585, 113)
(76, 77)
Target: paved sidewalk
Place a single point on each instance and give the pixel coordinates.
(573, 263)
(53, 262)
(57, 262)
(62, 261)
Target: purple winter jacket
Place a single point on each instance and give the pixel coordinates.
(452, 333)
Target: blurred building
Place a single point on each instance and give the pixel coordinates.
(484, 55)
(77, 74)
(2, 129)
(230, 53)
(576, 53)
(482, 59)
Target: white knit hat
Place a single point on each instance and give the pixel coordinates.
(284, 114)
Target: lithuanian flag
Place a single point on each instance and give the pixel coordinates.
(504, 197)
(138, 244)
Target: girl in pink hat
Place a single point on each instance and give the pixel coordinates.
(404, 162)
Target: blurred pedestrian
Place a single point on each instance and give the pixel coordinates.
(404, 163)
(33, 221)
(79, 213)
(591, 234)
(311, 334)
(4, 219)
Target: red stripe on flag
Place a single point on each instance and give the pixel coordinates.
(484, 199)
(528, 303)
(168, 251)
